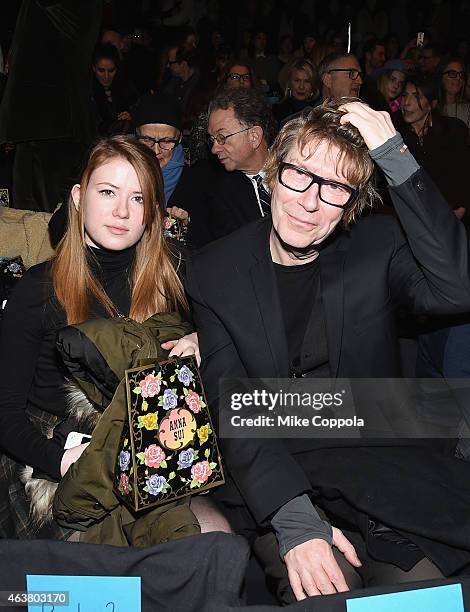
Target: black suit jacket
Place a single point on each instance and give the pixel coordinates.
(365, 273)
(229, 202)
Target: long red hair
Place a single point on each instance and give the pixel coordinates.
(155, 286)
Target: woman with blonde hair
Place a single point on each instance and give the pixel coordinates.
(301, 90)
(390, 84)
(113, 261)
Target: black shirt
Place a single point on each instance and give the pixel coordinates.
(304, 319)
(31, 374)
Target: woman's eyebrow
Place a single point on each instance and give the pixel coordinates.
(110, 184)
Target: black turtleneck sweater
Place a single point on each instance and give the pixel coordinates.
(31, 376)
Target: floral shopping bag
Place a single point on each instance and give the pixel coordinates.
(168, 448)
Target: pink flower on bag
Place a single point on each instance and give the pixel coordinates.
(192, 400)
(153, 456)
(167, 223)
(124, 483)
(201, 471)
(150, 386)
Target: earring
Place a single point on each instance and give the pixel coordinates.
(289, 92)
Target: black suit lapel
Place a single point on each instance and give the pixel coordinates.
(264, 282)
(265, 288)
(332, 290)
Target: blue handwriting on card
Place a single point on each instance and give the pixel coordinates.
(446, 598)
(89, 593)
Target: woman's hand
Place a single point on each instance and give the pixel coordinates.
(179, 213)
(376, 127)
(70, 456)
(185, 346)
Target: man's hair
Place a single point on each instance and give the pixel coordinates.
(436, 49)
(250, 107)
(371, 44)
(426, 83)
(182, 55)
(322, 124)
(328, 61)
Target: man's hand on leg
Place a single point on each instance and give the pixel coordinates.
(313, 570)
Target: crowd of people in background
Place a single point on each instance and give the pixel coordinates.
(295, 54)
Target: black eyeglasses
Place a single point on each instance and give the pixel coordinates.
(221, 138)
(330, 192)
(353, 73)
(455, 74)
(236, 76)
(165, 144)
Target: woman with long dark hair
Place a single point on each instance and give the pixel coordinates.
(113, 94)
(452, 103)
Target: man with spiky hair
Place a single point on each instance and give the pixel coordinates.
(310, 291)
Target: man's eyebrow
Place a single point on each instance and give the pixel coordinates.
(299, 164)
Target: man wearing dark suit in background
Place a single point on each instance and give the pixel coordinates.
(295, 294)
(241, 128)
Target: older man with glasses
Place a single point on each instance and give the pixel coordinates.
(341, 76)
(310, 291)
(240, 129)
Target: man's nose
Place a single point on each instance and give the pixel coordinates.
(216, 147)
(310, 199)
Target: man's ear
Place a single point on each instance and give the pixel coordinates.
(75, 193)
(256, 136)
(326, 80)
(434, 104)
